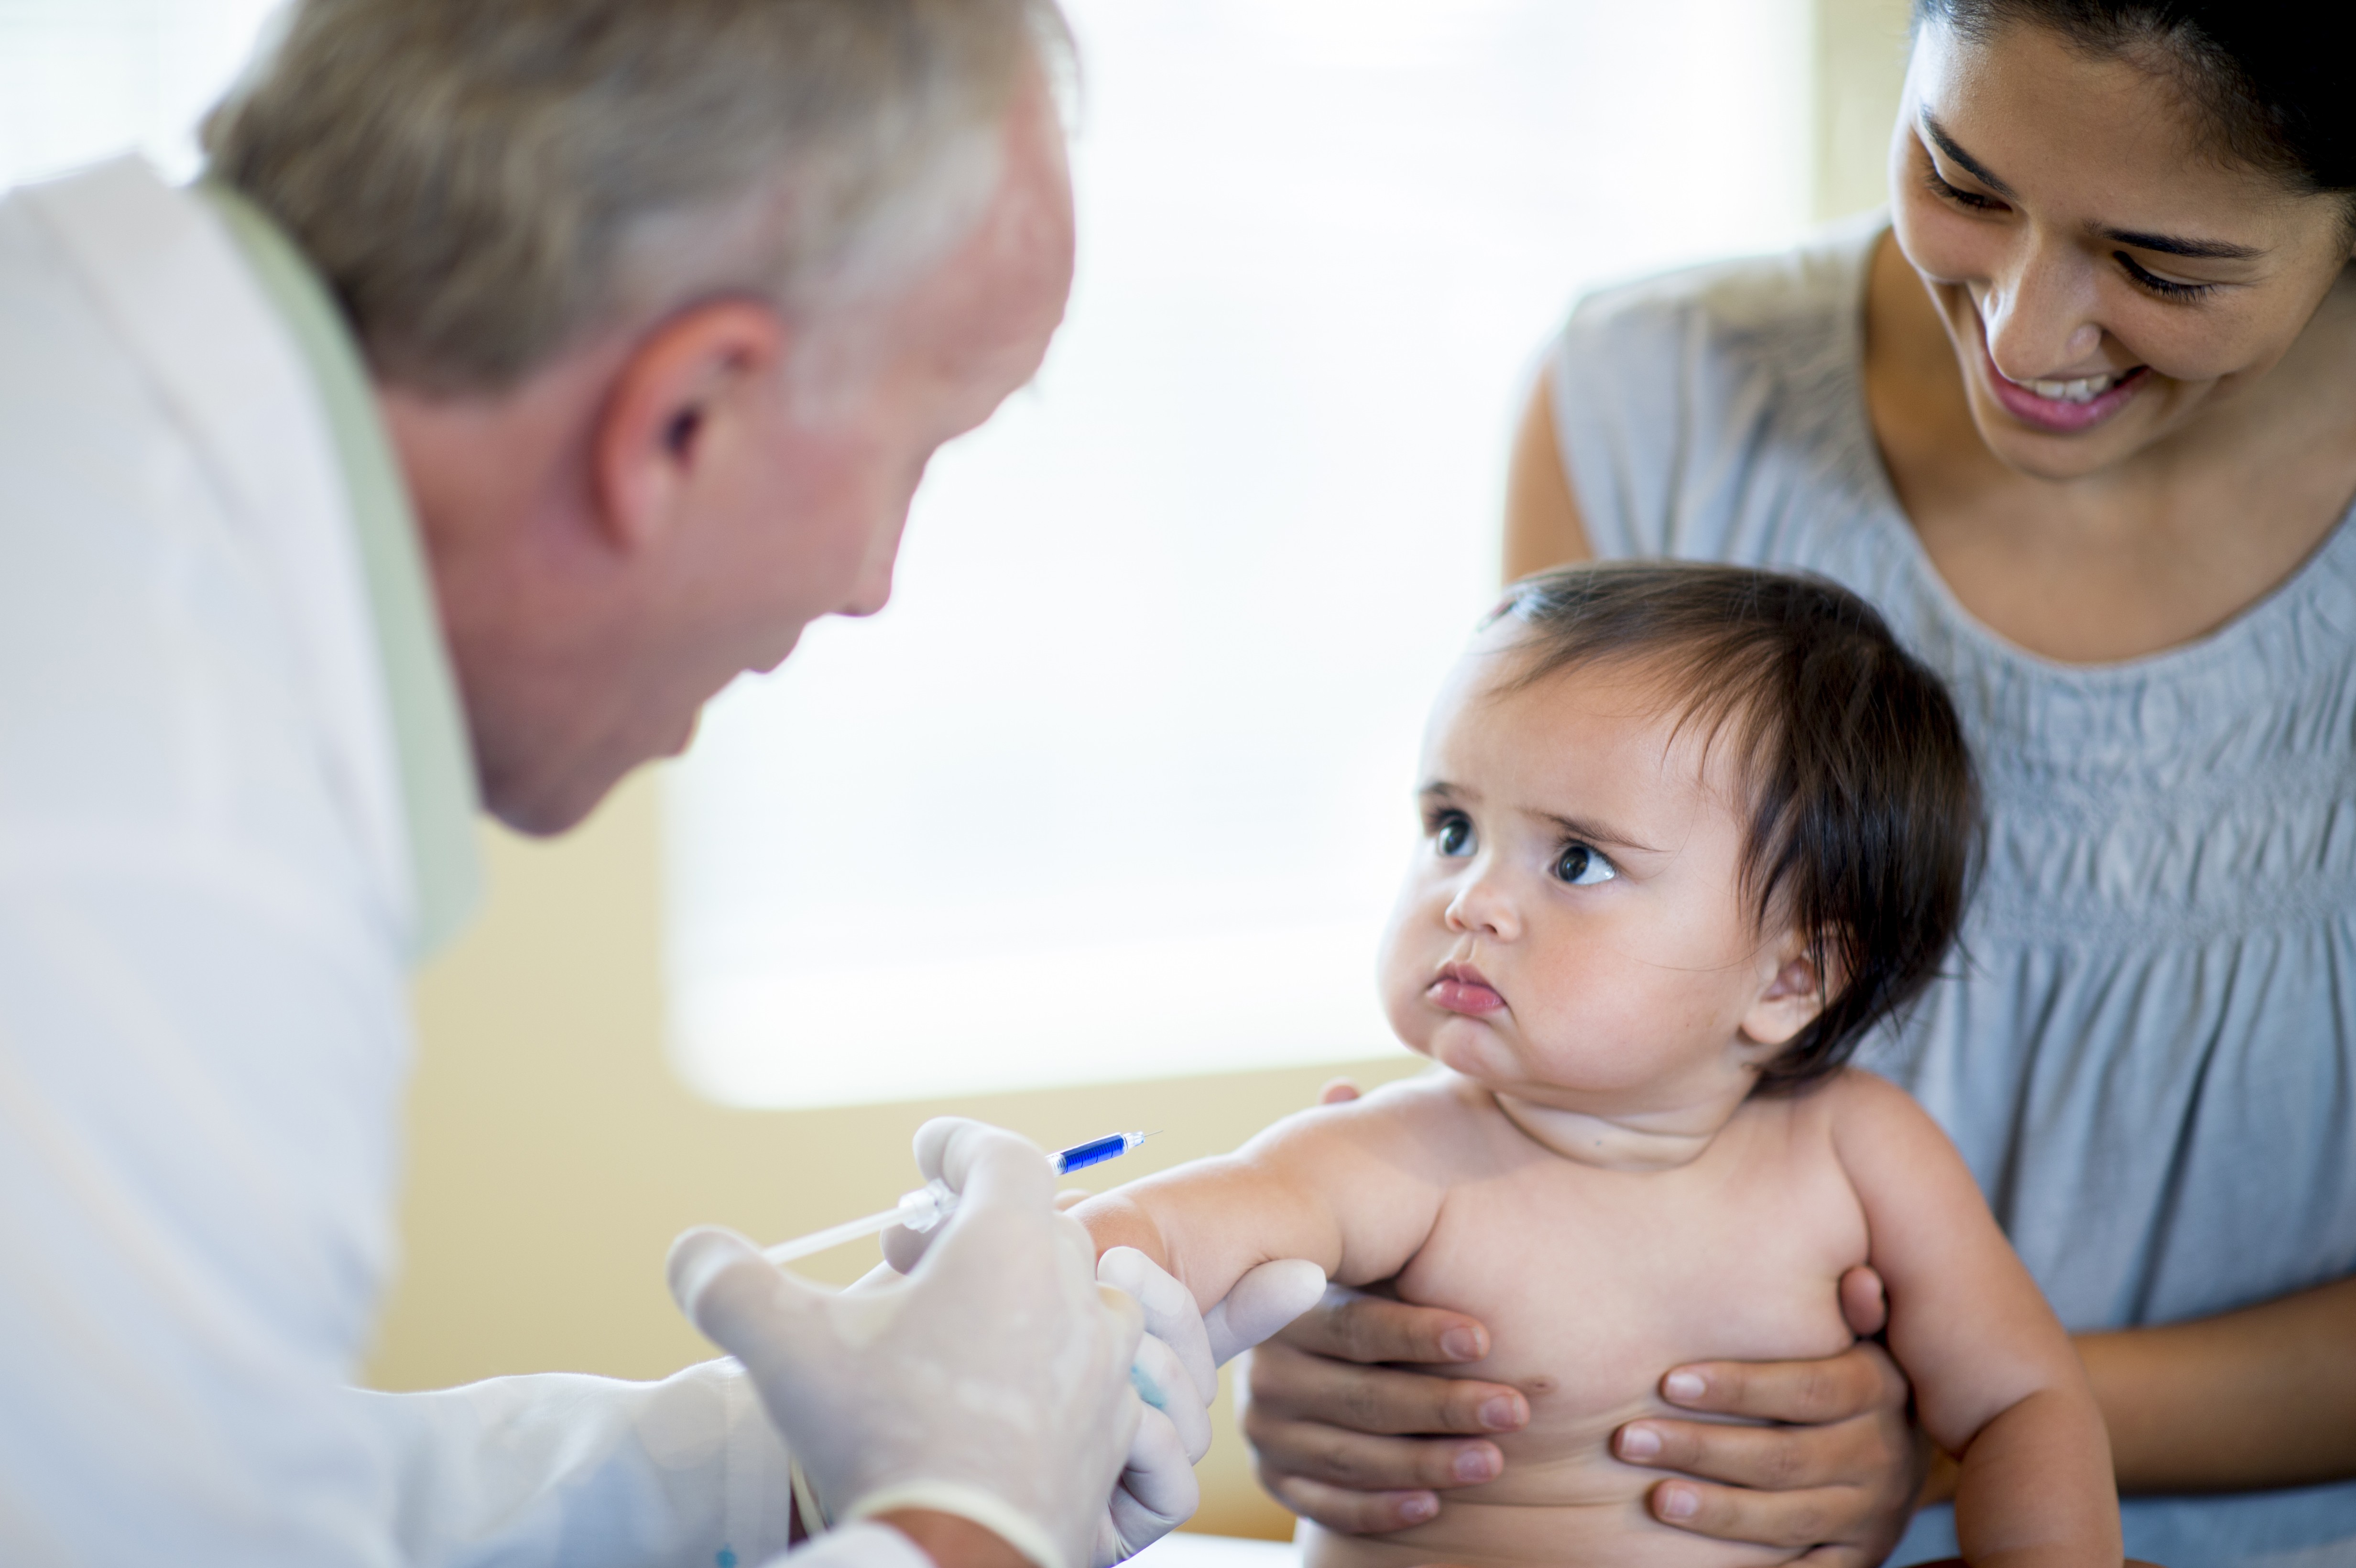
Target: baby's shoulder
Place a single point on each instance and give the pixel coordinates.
(1437, 1113)
(1875, 1128)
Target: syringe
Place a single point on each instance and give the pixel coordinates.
(933, 1202)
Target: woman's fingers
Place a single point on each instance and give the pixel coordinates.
(1838, 1473)
(1769, 1458)
(1349, 1512)
(1351, 1326)
(1861, 1380)
(1284, 1385)
(1816, 1515)
(1334, 1457)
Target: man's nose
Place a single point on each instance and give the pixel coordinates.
(2039, 312)
(1482, 908)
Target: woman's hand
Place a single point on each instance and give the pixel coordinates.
(1327, 1421)
(1840, 1474)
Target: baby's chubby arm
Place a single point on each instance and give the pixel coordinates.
(1354, 1188)
(1995, 1380)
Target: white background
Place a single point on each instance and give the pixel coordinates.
(1119, 785)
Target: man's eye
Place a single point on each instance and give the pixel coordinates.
(1582, 866)
(1453, 834)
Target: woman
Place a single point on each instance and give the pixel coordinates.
(2082, 422)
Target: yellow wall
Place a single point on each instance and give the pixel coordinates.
(1860, 59)
(554, 1155)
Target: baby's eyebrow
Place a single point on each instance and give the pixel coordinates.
(1595, 833)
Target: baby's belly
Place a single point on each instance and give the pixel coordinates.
(1563, 1500)
(1608, 1535)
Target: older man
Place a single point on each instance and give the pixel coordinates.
(519, 374)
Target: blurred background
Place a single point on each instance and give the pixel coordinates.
(1095, 826)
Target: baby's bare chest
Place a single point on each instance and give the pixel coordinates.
(1594, 1284)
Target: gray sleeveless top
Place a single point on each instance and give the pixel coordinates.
(2148, 1053)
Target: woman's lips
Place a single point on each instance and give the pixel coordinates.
(2078, 405)
(1462, 990)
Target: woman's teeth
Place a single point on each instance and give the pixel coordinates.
(2084, 390)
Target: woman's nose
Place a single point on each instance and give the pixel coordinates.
(2039, 316)
(1482, 909)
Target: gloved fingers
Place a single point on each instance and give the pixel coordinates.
(1158, 1492)
(904, 1249)
(1170, 1313)
(1129, 1330)
(1262, 1302)
(983, 1163)
(1165, 1386)
(737, 1299)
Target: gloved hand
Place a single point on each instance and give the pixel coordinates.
(992, 1383)
(1176, 1370)
(1176, 1373)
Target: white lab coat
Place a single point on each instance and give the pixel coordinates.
(204, 909)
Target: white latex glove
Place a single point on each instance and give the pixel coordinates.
(992, 1383)
(1176, 1373)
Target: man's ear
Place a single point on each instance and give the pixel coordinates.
(1794, 993)
(682, 405)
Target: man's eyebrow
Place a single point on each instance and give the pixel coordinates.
(1600, 833)
(1947, 143)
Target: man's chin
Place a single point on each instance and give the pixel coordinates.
(542, 796)
(545, 804)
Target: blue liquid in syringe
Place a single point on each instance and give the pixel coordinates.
(1079, 1157)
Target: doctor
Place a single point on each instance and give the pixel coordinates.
(521, 372)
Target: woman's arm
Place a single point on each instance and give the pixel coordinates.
(2262, 1397)
(1543, 526)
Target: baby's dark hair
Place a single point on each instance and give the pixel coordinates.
(1864, 828)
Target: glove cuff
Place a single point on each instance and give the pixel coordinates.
(987, 1509)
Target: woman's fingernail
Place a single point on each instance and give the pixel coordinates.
(1678, 1502)
(1498, 1414)
(1639, 1443)
(1416, 1509)
(1461, 1344)
(1474, 1465)
(1684, 1385)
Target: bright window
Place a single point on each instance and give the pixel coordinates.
(83, 79)
(1119, 786)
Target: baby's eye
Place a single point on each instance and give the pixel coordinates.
(1582, 866)
(1453, 834)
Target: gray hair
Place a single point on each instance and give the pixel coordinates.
(485, 183)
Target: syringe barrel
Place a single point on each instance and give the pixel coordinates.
(1082, 1156)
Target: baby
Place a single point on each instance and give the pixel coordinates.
(1689, 833)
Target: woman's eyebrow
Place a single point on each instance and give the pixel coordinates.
(1947, 143)
(2167, 244)
(2215, 249)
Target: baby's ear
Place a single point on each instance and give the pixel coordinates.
(1793, 993)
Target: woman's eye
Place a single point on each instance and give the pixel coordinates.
(2166, 288)
(1582, 866)
(1453, 834)
(1970, 201)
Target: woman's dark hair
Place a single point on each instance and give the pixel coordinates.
(1864, 828)
(2274, 81)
